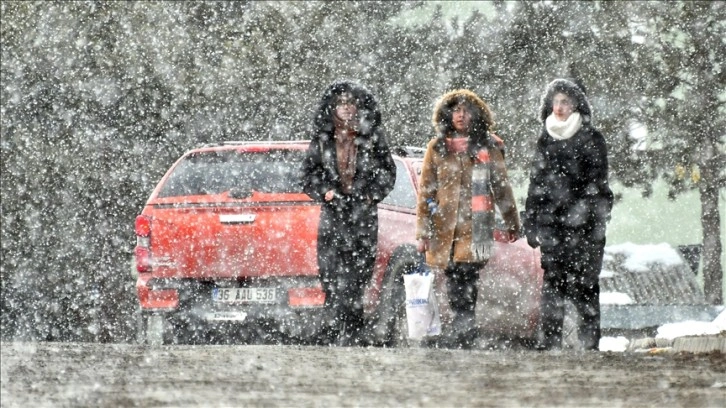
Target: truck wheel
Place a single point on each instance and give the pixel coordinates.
(392, 315)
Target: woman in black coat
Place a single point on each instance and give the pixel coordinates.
(348, 168)
(567, 208)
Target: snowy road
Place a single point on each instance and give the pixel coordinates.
(98, 375)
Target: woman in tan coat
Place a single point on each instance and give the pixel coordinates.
(463, 174)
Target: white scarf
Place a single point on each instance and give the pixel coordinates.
(560, 130)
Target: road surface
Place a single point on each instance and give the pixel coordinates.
(127, 375)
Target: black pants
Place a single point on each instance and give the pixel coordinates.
(347, 244)
(571, 275)
(462, 287)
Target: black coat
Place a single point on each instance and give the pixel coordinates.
(375, 172)
(569, 198)
(349, 220)
(348, 228)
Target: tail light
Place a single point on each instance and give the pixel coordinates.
(142, 252)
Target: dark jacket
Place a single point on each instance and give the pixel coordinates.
(375, 172)
(569, 198)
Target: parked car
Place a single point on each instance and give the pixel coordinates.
(226, 246)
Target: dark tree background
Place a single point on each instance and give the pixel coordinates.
(99, 98)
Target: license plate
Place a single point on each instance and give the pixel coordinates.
(246, 295)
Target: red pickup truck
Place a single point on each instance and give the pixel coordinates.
(226, 249)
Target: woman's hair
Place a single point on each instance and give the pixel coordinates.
(573, 91)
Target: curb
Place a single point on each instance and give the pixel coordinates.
(688, 344)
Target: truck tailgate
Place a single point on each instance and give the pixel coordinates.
(254, 240)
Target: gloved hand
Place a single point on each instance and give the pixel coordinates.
(532, 240)
(530, 232)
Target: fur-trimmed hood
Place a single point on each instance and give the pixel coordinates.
(482, 119)
(571, 89)
(368, 113)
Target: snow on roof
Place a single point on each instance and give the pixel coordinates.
(640, 257)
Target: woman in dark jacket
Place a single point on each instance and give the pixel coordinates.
(567, 208)
(349, 170)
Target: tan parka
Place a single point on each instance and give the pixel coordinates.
(446, 179)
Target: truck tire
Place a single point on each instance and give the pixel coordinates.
(392, 314)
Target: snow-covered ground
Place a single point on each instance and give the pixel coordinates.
(641, 258)
(671, 331)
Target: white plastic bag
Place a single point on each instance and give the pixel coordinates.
(422, 310)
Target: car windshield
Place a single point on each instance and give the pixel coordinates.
(272, 171)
